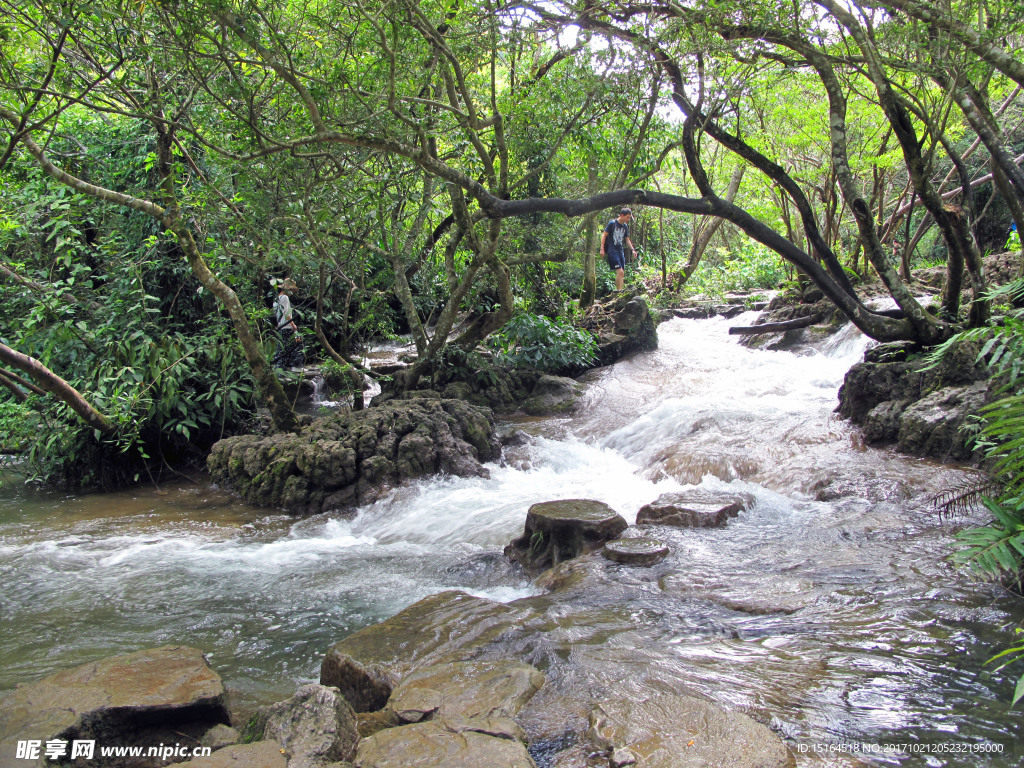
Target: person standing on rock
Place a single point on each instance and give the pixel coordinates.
(613, 241)
(289, 346)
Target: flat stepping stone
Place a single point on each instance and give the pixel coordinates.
(556, 531)
(692, 509)
(641, 550)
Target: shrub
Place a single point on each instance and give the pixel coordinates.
(534, 341)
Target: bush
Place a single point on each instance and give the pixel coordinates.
(534, 341)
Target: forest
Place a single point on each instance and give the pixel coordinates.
(417, 165)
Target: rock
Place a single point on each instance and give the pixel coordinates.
(623, 325)
(696, 312)
(466, 689)
(553, 394)
(882, 424)
(641, 550)
(669, 731)
(921, 410)
(729, 311)
(349, 458)
(370, 723)
(445, 627)
(365, 687)
(147, 698)
(891, 352)
(472, 743)
(314, 727)
(262, 754)
(220, 736)
(691, 509)
(869, 383)
(932, 425)
(561, 530)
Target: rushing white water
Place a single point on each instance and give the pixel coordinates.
(826, 604)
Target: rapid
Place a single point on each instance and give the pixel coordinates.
(827, 609)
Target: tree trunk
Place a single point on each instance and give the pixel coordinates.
(354, 376)
(589, 292)
(707, 228)
(60, 389)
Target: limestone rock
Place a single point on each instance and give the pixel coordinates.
(472, 743)
(262, 754)
(443, 627)
(561, 530)
(466, 689)
(553, 394)
(220, 736)
(314, 727)
(931, 426)
(882, 423)
(668, 731)
(692, 509)
(641, 550)
(349, 458)
(623, 325)
(141, 698)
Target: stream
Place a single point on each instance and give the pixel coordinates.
(827, 609)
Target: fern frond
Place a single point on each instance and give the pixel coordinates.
(965, 497)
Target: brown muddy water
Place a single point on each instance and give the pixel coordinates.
(827, 610)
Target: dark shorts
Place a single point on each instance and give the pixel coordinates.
(616, 259)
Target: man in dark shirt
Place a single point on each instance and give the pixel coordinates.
(615, 235)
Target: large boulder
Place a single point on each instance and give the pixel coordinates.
(669, 731)
(147, 698)
(932, 425)
(446, 627)
(561, 530)
(896, 397)
(314, 727)
(466, 689)
(623, 324)
(350, 458)
(461, 743)
(691, 509)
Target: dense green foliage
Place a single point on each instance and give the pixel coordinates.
(534, 341)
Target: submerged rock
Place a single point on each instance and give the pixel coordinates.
(466, 689)
(350, 458)
(465, 743)
(561, 530)
(314, 727)
(692, 509)
(147, 698)
(641, 550)
(668, 731)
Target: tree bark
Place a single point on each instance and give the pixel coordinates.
(60, 389)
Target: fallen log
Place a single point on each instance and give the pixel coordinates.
(785, 325)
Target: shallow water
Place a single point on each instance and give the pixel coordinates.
(826, 609)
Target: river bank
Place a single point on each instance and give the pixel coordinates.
(829, 615)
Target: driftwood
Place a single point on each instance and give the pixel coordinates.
(786, 325)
